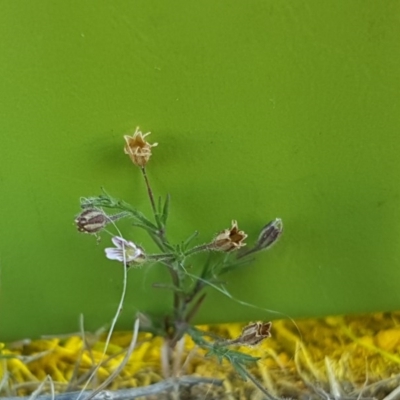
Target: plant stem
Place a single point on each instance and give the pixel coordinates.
(248, 252)
(160, 226)
(161, 257)
(157, 240)
(199, 248)
(150, 193)
(192, 312)
(160, 239)
(180, 302)
(256, 383)
(116, 217)
(176, 282)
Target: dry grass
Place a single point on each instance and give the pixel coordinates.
(337, 357)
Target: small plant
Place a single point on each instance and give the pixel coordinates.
(226, 252)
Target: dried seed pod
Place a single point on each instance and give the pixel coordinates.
(254, 333)
(138, 149)
(229, 239)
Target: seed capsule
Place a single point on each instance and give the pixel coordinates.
(229, 239)
(269, 234)
(91, 221)
(138, 149)
(255, 333)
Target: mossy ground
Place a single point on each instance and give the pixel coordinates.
(350, 357)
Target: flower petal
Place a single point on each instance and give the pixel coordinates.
(125, 251)
(119, 242)
(114, 254)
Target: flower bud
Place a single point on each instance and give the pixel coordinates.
(91, 220)
(138, 149)
(229, 239)
(269, 234)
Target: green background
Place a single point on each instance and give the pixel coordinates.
(261, 109)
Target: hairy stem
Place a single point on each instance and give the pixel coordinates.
(197, 249)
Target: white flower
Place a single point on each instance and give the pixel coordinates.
(125, 251)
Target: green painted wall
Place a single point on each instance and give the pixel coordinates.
(262, 109)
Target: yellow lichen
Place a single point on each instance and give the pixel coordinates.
(356, 347)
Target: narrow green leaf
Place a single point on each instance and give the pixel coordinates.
(143, 226)
(206, 267)
(186, 243)
(140, 216)
(234, 265)
(159, 205)
(240, 370)
(170, 247)
(165, 211)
